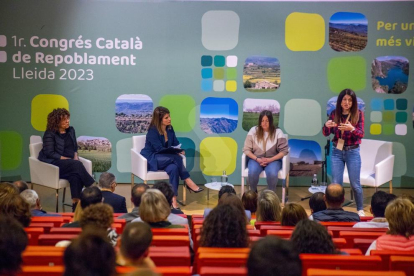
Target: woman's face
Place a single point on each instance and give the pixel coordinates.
(346, 103)
(166, 120)
(64, 122)
(265, 123)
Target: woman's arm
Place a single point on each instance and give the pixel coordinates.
(75, 157)
(329, 127)
(248, 147)
(153, 137)
(49, 146)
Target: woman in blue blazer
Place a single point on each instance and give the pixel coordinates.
(160, 137)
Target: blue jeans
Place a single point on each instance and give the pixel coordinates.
(271, 173)
(352, 159)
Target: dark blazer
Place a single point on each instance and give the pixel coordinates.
(116, 201)
(335, 215)
(154, 143)
(54, 145)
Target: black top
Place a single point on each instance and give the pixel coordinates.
(117, 202)
(68, 151)
(54, 145)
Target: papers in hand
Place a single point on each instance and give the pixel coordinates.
(177, 146)
(171, 150)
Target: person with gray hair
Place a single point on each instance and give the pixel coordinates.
(107, 184)
(31, 197)
(21, 185)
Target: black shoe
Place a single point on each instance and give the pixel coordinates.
(195, 191)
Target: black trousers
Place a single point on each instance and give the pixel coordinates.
(74, 172)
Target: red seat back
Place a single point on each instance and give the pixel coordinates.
(386, 255)
(53, 239)
(402, 263)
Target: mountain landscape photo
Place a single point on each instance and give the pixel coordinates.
(133, 114)
(348, 32)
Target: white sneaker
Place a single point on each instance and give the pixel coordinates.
(361, 213)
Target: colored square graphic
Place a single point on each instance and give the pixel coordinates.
(3, 41)
(375, 129)
(220, 30)
(219, 61)
(376, 116)
(400, 152)
(401, 104)
(3, 56)
(231, 86)
(348, 32)
(189, 146)
(218, 73)
(304, 31)
(218, 85)
(401, 117)
(206, 85)
(42, 105)
(218, 115)
(231, 73)
(388, 129)
(11, 145)
(218, 154)
(123, 155)
(206, 61)
(206, 73)
(182, 109)
(302, 117)
(133, 113)
(231, 61)
(376, 105)
(347, 72)
(389, 104)
(401, 129)
(388, 116)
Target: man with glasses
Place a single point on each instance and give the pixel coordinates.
(107, 183)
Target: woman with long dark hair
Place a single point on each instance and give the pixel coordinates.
(60, 148)
(346, 122)
(265, 146)
(160, 137)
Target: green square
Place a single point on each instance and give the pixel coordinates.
(182, 109)
(219, 61)
(347, 72)
(401, 117)
(401, 104)
(388, 129)
(218, 73)
(231, 73)
(11, 145)
(388, 116)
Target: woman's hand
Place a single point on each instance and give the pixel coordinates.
(261, 161)
(64, 158)
(330, 124)
(183, 152)
(346, 127)
(75, 157)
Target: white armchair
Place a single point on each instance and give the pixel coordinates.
(47, 175)
(282, 174)
(377, 163)
(139, 165)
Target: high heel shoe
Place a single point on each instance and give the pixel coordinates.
(195, 191)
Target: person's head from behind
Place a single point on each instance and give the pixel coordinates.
(379, 202)
(59, 118)
(249, 200)
(317, 202)
(97, 215)
(160, 118)
(31, 197)
(334, 196)
(7, 188)
(312, 237)
(136, 193)
(107, 181)
(273, 256)
(233, 200)
(15, 206)
(166, 190)
(268, 207)
(226, 189)
(408, 196)
(154, 206)
(90, 254)
(135, 241)
(292, 214)
(21, 185)
(13, 241)
(89, 196)
(225, 226)
(400, 216)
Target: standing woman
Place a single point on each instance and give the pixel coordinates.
(265, 146)
(346, 122)
(161, 136)
(60, 148)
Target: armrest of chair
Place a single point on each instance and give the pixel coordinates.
(139, 165)
(243, 162)
(43, 173)
(87, 164)
(384, 170)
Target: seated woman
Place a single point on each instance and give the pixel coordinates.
(292, 214)
(268, 207)
(60, 148)
(160, 137)
(400, 216)
(265, 147)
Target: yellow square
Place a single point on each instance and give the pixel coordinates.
(375, 129)
(304, 32)
(42, 105)
(231, 86)
(218, 154)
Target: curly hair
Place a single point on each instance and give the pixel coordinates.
(249, 200)
(268, 207)
(16, 207)
(292, 214)
(312, 237)
(54, 118)
(400, 216)
(100, 215)
(225, 226)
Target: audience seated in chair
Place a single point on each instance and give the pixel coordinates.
(400, 216)
(21, 185)
(135, 242)
(334, 198)
(273, 256)
(235, 201)
(268, 207)
(249, 200)
(292, 214)
(379, 202)
(316, 203)
(137, 191)
(90, 254)
(7, 188)
(168, 192)
(107, 184)
(312, 237)
(15, 206)
(32, 198)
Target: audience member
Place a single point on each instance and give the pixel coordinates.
(137, 191)
(15, 206)
(379, 202)
(7, 188)
(334, 198)
(273, 256)
(234, 200)
(400, 216)
(408, 196)
(312, 237)
(90, 254)
(316, 203)
(225, 226)
(107, 183)
(32, 198)
(227, 189)
(21, 185)
(292, 214)
(249, 200)
(168, 192)
(13, 241)
(268, 207)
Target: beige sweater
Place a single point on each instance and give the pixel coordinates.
(279, 144)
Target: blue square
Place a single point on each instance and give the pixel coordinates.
(206, 73)
(389, 104)
(219, 61)
(376, 104)
(206, 61)
(206, 85)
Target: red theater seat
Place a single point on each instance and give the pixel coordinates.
(351, 235)
(42, 258)
(45, 225)
(53, 239)
(336, 229)
(330, 272)
(401, 263)
(41, 271)
(170, 241)
(223, 271)
(386, 255)
(34, 233)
